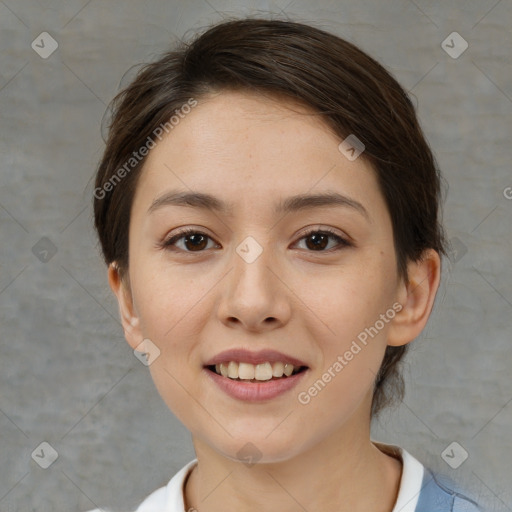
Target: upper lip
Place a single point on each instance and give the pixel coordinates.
(256, 357)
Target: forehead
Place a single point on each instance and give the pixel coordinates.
(244, 146)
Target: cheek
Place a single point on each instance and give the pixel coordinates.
(350, 359)
(166, 299)
(345, 301)
(172, 316)
(355, 309)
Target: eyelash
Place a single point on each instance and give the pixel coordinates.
(342, 242)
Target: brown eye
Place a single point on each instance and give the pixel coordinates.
(196, 241)
(318, 240)
(193, 241)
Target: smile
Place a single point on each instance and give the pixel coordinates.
(259, 372)
(254, 390)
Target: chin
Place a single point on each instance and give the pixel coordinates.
(258, 449)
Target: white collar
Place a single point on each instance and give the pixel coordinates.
(170, 497)
(411, 480)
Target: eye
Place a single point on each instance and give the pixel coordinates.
(194, 240)
(318, 239)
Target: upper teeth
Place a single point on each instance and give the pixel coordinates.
(247, 371)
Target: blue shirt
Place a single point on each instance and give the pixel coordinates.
(435, 496)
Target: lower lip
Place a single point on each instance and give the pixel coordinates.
(255, 391)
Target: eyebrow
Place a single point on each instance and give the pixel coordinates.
(291, 204)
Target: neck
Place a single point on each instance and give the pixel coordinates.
(345, 469)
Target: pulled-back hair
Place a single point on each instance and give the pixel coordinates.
(351, 92)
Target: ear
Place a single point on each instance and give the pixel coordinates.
(129, 318)
(416, 298)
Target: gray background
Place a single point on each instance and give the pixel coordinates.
(67, 376)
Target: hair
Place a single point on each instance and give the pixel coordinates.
(351, 92)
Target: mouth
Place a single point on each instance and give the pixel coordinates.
(256, 373)
(255, 376)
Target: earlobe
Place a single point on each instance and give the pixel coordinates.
(416, 298)
(129, 319)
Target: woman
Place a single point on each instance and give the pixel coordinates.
(268, 209)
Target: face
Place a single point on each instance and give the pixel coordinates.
(304, 278)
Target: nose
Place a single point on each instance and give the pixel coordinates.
(255, 297)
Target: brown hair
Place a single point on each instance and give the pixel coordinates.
(351, 91)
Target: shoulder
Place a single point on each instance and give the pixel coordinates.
(422, 490)
(440, 494)
(166, 498)
(153, 503)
